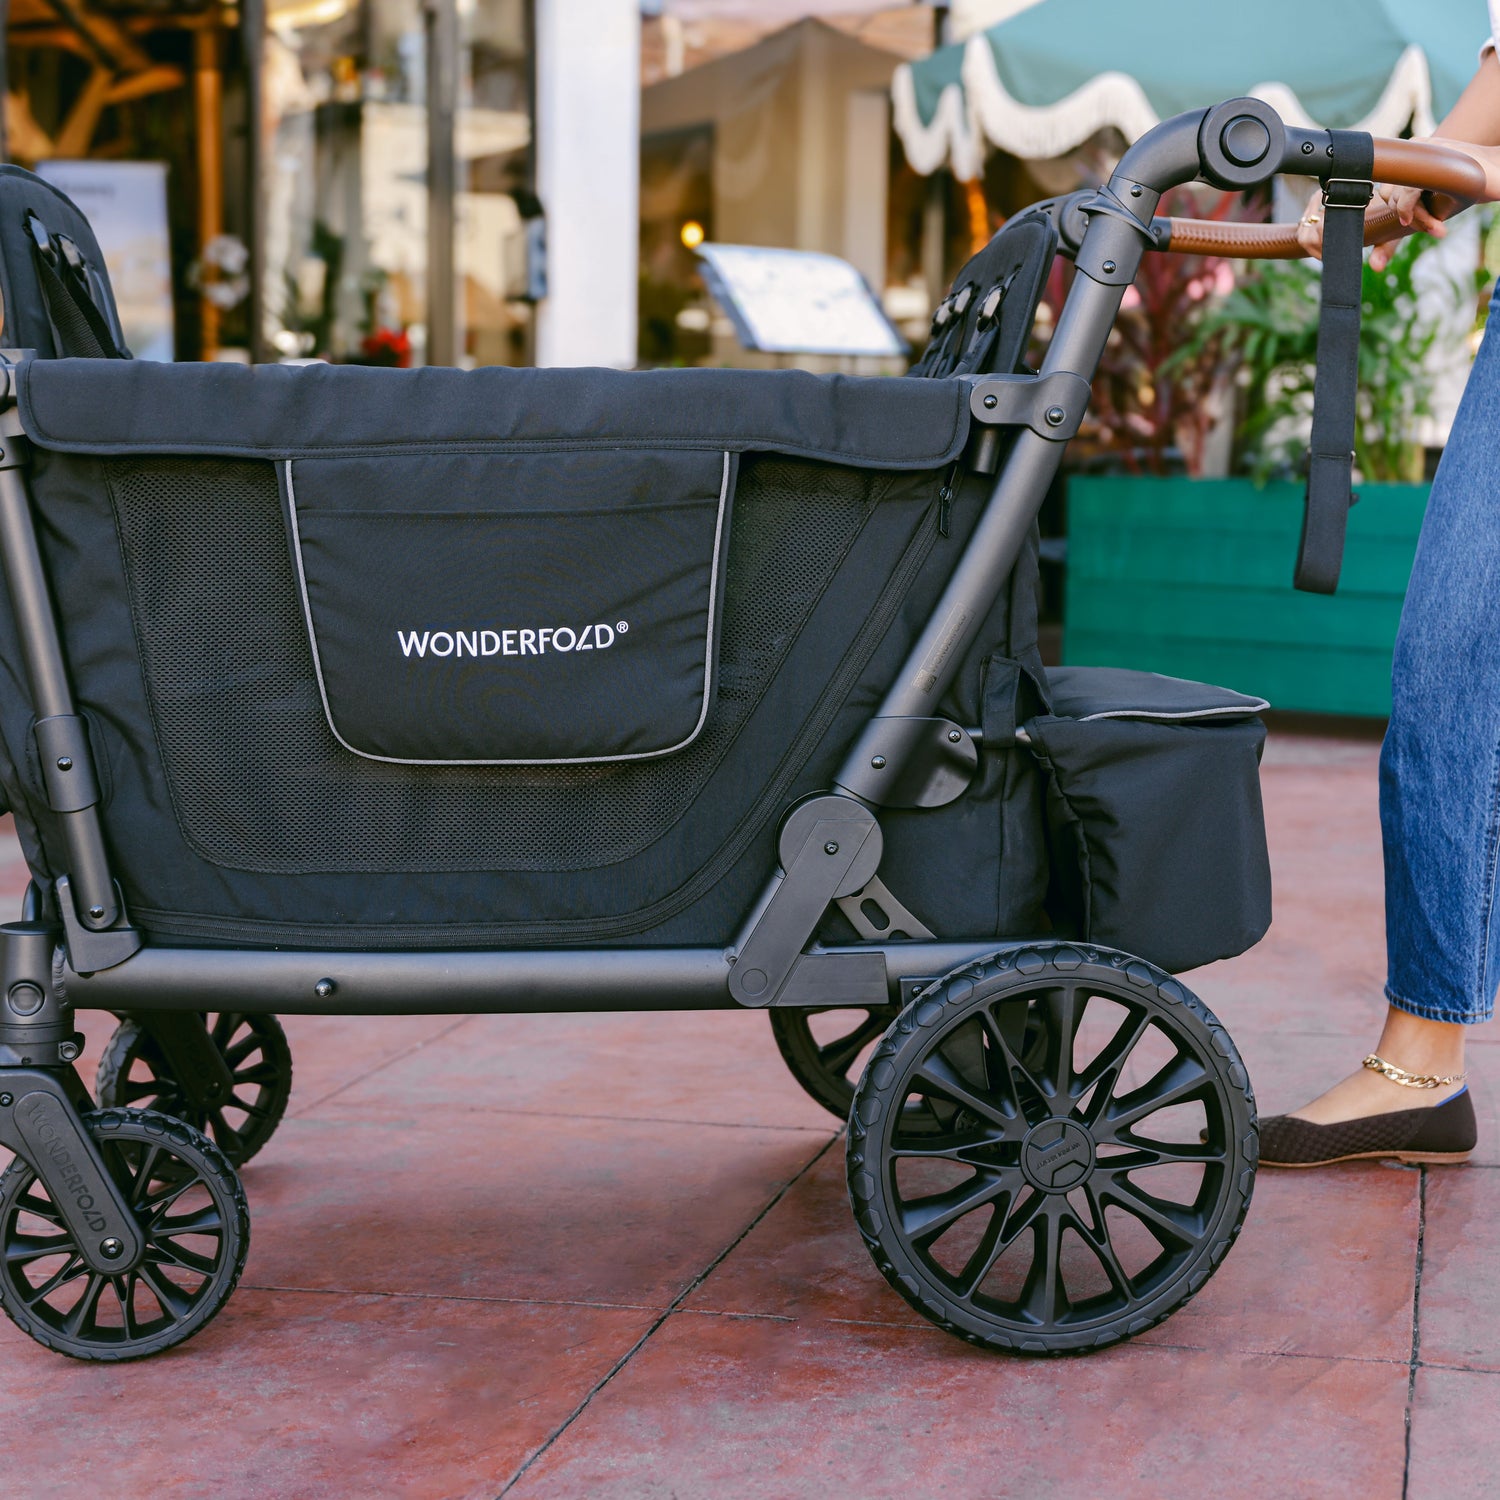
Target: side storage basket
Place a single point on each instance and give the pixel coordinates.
(1154, 814)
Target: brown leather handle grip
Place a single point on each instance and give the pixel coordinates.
(1261, 241)
(1430, 165)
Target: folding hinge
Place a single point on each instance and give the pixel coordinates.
(90, 950)
(830, 846)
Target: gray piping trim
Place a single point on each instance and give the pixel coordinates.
(1228, 711)
(582, 760)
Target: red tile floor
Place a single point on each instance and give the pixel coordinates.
(601, 1256)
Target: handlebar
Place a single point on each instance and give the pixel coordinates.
(1421, 164)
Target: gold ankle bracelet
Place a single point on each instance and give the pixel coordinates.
(1409, 1080)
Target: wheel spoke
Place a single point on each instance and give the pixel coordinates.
(175, 1302)
(83, 1310)
(1013, 1072)
(71, 1271)
(1174, 1226)
(158, 1206)
(262, 1074)
(164, 1253)
(231, 1142)
(1159, 1153)
(143, 1175)
(957, 1147)
(237, 1054)
(225, 1026)
(1103, 1069)
(924, 1219)
(1063, 1013)
(1096, 1236)
(1044, 1299)
(124, 1290)
(839, 1054)
(43, 1208)
(937, 1075)
(1181, 1079)
(205, 1221)
(25, 1248)
(1000, 1234)
(150, 1088)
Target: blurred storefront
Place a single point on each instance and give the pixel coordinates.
(786, 143)
(355, 180)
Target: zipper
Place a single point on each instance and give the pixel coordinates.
(945, 499)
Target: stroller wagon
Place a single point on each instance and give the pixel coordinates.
(359, 691)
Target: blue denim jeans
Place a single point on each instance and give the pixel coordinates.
(1440, 766)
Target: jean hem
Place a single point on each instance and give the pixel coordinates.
(1437, 1012)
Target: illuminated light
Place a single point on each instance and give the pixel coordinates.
(295, 15)
(692, 234)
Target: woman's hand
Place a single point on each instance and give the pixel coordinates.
(1414, 212)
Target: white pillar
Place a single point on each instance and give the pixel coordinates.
(588, 108)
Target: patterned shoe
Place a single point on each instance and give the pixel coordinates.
(1445, 1133)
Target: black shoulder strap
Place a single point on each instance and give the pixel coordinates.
(1320, 553)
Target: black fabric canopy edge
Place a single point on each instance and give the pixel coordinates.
(117, 407)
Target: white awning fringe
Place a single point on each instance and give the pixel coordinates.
(984, 109)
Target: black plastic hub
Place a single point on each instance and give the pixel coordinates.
(1057, 1155)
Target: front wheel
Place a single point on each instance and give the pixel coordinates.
(1078, 1189)
(194, 1221)
(134, 1073)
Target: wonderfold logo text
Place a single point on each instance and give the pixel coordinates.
(538, 642)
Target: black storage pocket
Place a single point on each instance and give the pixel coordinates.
(1154, 815)
(512, 608)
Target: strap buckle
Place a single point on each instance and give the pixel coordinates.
(1347, 192)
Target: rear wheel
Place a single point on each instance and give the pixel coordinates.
(134, 1072)
(826, 1050)
(1066, 1193)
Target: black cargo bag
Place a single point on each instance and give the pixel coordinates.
(1154, 814)
(434, 658)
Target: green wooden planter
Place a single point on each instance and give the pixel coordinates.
(1193, 577)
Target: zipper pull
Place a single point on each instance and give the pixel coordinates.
(945, 500)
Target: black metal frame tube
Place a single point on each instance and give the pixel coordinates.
(509, 982)
(46, 673)
(951, 629)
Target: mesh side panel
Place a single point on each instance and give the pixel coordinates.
(257, 779)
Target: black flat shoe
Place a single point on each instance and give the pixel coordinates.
(1445, 1133)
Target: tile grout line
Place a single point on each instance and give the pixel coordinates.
(1416, 1327)
(676, 1302)
(272, 1288)
(560, 1114)
(379, 1067)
